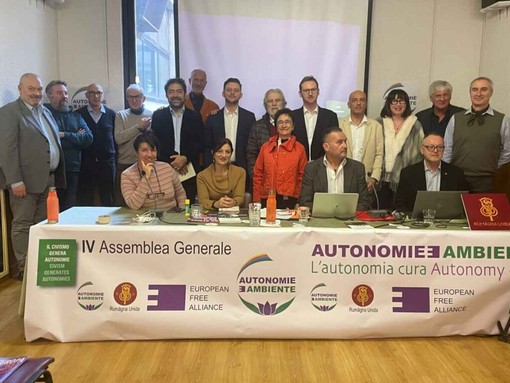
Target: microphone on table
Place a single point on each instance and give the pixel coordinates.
(369, 174)
(377, 213)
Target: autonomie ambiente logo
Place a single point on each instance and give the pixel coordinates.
(259, 286)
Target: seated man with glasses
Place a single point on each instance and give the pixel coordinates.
(431, 174)
(151, 184)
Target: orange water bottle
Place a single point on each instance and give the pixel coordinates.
(271, 208)
(52, 206)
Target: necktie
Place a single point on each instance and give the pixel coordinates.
(477, 116)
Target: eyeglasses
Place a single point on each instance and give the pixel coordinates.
(434, 148)
(137, 98)
(286, 122)
(152, 196)
(312, 90)
(95, 94)
(398, 101)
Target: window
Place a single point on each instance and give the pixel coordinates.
(152, 57)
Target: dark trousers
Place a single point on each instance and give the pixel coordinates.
(190, 187)
(386, 196)
(67, 196)
(118, 199)
(480, 184)
(102, 180)
(281, 202)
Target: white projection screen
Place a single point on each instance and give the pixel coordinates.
(274, 44)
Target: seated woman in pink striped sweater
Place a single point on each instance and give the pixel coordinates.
(151, 184)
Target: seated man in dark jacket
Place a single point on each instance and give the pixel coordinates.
(334, 172)
(431, 174)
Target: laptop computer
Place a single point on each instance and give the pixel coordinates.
(337, 205)
(447, 204)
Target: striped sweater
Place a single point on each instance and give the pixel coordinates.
(162, 191)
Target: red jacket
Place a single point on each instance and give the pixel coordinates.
(279, 168)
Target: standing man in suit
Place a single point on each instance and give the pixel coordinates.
(334, 172)
(431, 174)
(365, 141)
(180, 132)
(311, 120)
(195, 100)
(98, 160)
(436, 118)
(31, 160)
(232, 122)
(75, 136)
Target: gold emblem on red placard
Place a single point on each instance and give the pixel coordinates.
(487, 208)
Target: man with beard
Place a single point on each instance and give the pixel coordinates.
(75, 135)
(334, 172)
(232, 122)
(431, 174)
(263, 129)
(31, 160)
(195, 100)
(180, 132)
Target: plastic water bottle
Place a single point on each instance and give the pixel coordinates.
(52, 206)
(271, 208)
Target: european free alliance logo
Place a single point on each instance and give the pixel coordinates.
(262, 289)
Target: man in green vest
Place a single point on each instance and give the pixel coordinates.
(478, 140)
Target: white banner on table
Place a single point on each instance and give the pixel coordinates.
(160, 282)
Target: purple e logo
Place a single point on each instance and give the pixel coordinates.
(168, 298)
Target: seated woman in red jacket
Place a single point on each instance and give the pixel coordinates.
(280, 165)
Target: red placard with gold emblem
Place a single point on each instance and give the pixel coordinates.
(487, 211)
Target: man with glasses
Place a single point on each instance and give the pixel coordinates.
(311, 120)
(436, 118)
(263, 129)
(431, 174)
(129, 124)
(75, 136)
(98, 160)
(478, 140)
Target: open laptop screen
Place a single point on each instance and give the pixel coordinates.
(447, 204)
(338, 205)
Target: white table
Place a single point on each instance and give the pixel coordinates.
(241, 282)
